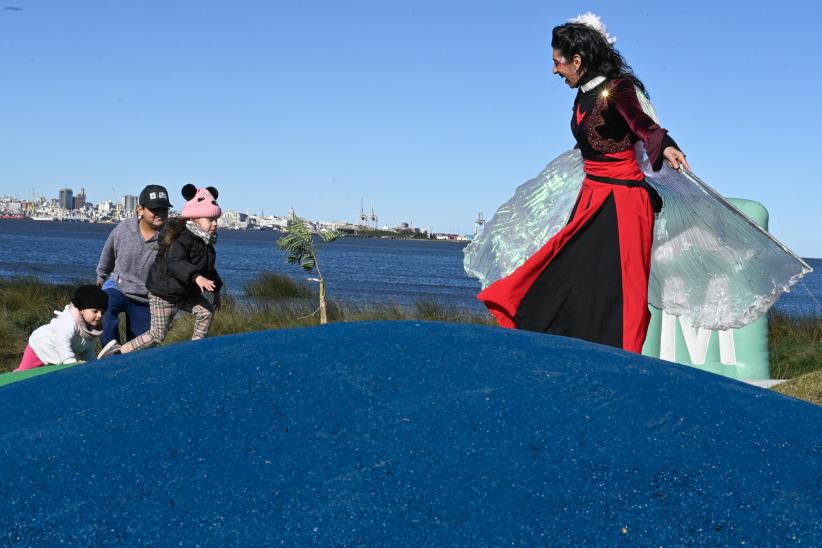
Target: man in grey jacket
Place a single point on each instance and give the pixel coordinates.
(125, 261)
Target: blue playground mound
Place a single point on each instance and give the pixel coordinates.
(404, 432)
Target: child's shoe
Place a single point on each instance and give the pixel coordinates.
(111, 349)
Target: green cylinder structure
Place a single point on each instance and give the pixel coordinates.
(740, 354)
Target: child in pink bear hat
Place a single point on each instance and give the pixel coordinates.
(182, 272)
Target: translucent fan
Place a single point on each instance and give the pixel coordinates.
(711, 265)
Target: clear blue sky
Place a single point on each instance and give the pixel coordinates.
(434, 110)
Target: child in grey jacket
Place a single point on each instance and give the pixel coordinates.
(72, 335)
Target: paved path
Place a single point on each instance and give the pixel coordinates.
(404, 432)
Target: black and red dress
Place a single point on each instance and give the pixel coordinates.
(590, 281)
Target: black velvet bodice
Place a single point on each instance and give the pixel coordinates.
(609, 119)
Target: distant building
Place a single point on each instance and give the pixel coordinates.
(332, 225)
(272, 222)
(406, 227)
(129, 204)
(451, 237)
(14, 208)
(233, 219)
(105, 208)
(80, 199)
(66, 199)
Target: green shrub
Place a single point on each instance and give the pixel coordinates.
(795, 345)
(277, 286)
(275, 301)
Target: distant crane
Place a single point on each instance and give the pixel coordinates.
(363, 216)
(374, 216)
(479, 223)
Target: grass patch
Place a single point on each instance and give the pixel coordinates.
(274, 301)
(796, 355)
(250, 316)
(806, 387)
(277, 286)
(795, 345)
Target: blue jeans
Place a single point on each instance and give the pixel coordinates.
(138, 317)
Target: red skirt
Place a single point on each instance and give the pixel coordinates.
(590, 281)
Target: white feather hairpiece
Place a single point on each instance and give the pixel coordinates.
(593, 20)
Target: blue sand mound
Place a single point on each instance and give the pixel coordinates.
(403, 432)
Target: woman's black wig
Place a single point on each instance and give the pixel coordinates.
(598, 55)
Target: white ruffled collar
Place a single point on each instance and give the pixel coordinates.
(591, 84)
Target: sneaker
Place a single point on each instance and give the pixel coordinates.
(110, 349)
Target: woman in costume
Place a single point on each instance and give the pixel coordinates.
(576, 260)
(590, 281)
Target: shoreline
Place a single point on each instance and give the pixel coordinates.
(227, 229)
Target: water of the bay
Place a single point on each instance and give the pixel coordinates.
(357, 270)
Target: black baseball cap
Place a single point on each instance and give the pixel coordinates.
(154, 197)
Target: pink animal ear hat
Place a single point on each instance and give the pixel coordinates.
(200, 202)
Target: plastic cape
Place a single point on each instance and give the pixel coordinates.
(711, 265)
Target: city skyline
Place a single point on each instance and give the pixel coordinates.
(366, 218)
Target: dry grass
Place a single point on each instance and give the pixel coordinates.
(806, 387)
(795, 345)
(275, 302)
(271, 302)
(277, 286)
